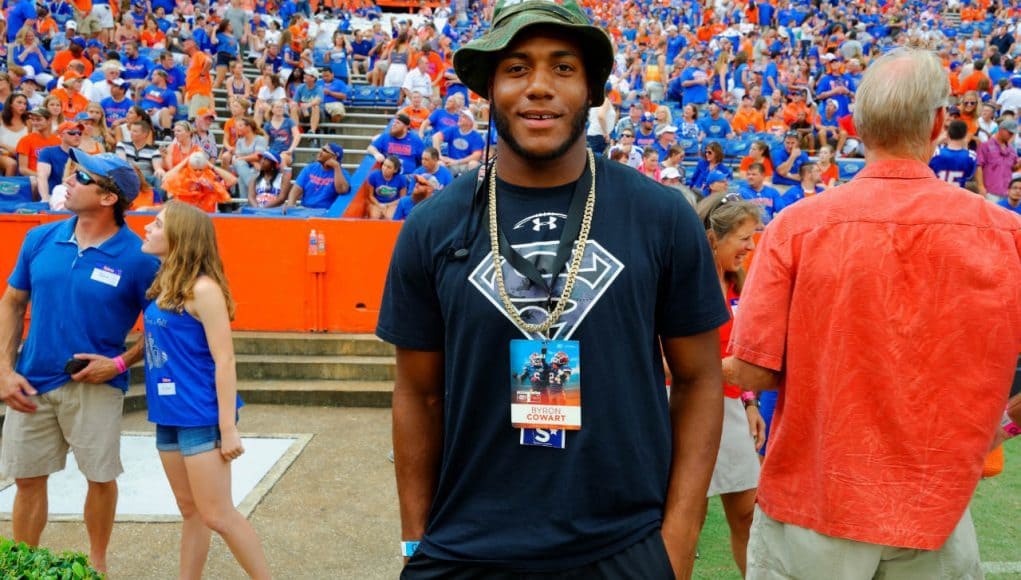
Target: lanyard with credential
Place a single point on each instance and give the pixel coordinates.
(573, 226)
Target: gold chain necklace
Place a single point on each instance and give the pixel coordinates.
(572, 272)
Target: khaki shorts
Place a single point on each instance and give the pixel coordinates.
(777, 550)
(197, 102)
(84, 418)
(88, 24)
(335, 109)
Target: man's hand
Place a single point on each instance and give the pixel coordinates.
(331, 164)
(99, 370)
(680, 549)
(15, 390)
(756, 426)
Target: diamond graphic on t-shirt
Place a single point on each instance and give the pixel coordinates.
(599, 268)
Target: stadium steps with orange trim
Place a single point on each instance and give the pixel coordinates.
(301, 369)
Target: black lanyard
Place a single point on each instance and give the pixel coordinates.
(567, 239)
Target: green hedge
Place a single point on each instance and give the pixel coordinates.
(20, 561)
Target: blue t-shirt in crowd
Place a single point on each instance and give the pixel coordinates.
(175, 76)
(955, 166)
(460, 145)
(793, 195)
(767, 199)
(57, 158)
(304, 94)
(387, 190)
(408, 148)
(778, 155)
(24, 10)
(317, 185)
(136, 68)
(1005, 203)
(443, 175)
(694, 94)
(154, 97)
(441, 119)
(280, 138)
(404, 207)
(180, 373)
(715, 128)
(654, 276)
(226, 43)
(115, 110)
(110, 279)
(337, 86)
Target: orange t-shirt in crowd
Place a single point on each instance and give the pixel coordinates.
(230, 132)
(73, 104)
(750, 121)
(31, 144)
(970, 83)
(151, 39)
(747, 161)
(202, 189)
(417, 116)
(830, 175)
(46, 26)
(888, 403)
(64, 58)
(197, 80)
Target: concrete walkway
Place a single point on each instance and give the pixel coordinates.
(333, 514)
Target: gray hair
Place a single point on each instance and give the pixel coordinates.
(897, 101)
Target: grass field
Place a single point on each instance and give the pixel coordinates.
(996, 509)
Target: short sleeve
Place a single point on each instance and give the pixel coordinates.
(760, 333)
(303, 177)
(688, 299)
(410, 315)
(21, 276)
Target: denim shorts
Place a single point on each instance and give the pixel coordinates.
(188, 440)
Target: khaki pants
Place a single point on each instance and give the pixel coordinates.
(784, 551)
(84, 418)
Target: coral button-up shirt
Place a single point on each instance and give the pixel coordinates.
(892, 307)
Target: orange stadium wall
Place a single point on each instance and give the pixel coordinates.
(277, 285)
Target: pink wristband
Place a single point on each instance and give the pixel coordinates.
(747, 396)
(121, 366)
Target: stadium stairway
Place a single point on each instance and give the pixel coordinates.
(302, 369)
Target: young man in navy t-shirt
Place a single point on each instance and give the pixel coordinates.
(485, 495)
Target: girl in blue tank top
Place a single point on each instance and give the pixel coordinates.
(191, 385)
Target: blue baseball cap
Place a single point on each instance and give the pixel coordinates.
(271, 156)
(715, 176)
(82, 117)
(648, 117)
(113, 168)
(337, 151)
(1015, 80)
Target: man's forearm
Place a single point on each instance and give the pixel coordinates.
(12, 325)
(418, 442)
(134, 352)
(696, 412)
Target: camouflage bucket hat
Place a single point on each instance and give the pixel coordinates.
(474, 62)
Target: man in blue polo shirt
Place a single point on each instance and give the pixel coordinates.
(756, 191)
(787, 160)
(319, 184)
(86, 278)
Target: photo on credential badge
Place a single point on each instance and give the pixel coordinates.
(545, 384)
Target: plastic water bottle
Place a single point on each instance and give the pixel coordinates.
(313, 244)
(321, 243)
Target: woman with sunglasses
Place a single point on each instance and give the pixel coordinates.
(711, 160)
(191, 386)
(730, 223)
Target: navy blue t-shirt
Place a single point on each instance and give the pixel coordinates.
(647, 273)
(57, 159)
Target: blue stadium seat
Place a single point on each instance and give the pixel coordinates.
(388, 97)
(363, 95)
(15, 189)
(849, 168)
(950, 32)
(986, 26)
(966, 28)
(736, 148)
(689, 145)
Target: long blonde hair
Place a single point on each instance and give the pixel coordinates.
(192, 253)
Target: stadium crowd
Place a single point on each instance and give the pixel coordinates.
(754, 97)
